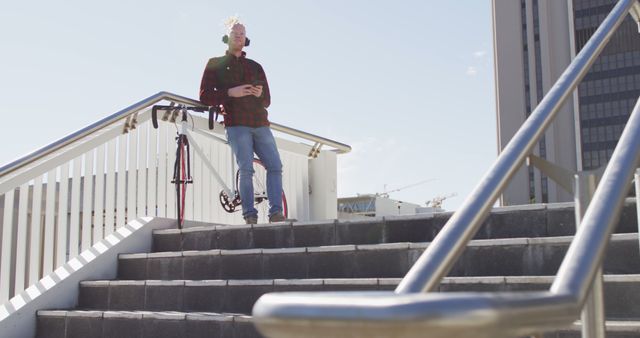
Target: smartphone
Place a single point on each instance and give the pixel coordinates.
(258, 83)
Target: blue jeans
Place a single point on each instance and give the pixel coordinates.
(244, 141)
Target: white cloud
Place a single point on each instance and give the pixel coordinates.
(480, 53)
(472, 71)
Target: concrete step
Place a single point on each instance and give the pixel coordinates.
(622, 292)
(145, 324)
(236, 296)
(494, 257)
(615, 329)
(539, 220)
(142, 324)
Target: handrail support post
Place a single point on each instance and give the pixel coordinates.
(583, 189)
(593, 324)
(562, 176)
(635, 13)
(565, 177)
(637, 186)
(315, 150)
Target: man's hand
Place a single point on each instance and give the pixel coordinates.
(241, 91)
(245, 90)
(256, 90)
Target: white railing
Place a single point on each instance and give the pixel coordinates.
(65, 197)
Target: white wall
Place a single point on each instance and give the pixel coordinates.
(323, 192)
(389, 207)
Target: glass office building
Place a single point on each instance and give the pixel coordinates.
(548, 34)
(608, 93)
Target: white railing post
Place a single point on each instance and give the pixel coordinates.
(49, 225)
(21, 245)
(189, 198)
(142, 169)
(171, 191)
(152, 173)
(7, 238)
(205, 183)
(132, 175)
(87, 200)
(162, 170)
(121, 193)
(74, 223)
(196, 187)
(110, 188)
(98, 207)
(61, 233)
(36, 230)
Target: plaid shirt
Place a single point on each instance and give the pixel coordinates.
(229, 71)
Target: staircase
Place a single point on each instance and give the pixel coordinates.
(203, 281)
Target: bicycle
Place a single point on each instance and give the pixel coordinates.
(230, 199)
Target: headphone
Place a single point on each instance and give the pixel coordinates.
(225, 39)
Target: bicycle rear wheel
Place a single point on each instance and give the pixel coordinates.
(260, 199)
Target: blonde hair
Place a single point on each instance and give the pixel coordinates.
(232, 21)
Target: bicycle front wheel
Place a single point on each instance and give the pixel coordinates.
(260, 199)
(181, 176)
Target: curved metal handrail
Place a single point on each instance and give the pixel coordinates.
(448, 245)
(413, 313)
(341, 148)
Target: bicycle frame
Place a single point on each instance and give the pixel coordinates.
(205, 160)
(184, 131)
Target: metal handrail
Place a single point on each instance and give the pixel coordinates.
(341, 148)
(480, 314)
(587, 250)
(449, 244)
(504, 314)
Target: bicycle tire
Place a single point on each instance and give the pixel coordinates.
(260, 190)
(180, 179)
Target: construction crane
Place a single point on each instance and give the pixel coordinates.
(386, 193)
(436, 202)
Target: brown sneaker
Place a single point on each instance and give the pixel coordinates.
(277, 217)
(251, 219)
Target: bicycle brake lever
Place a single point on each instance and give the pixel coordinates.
(154, 117)
(212, 117)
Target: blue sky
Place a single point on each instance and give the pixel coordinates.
(408, 84)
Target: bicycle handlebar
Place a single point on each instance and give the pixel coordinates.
(213, 112)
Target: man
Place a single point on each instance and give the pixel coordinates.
(239, 85)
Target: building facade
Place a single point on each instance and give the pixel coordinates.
(376, 205)
(534, 41)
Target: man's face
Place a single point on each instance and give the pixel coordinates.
(237, 36)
